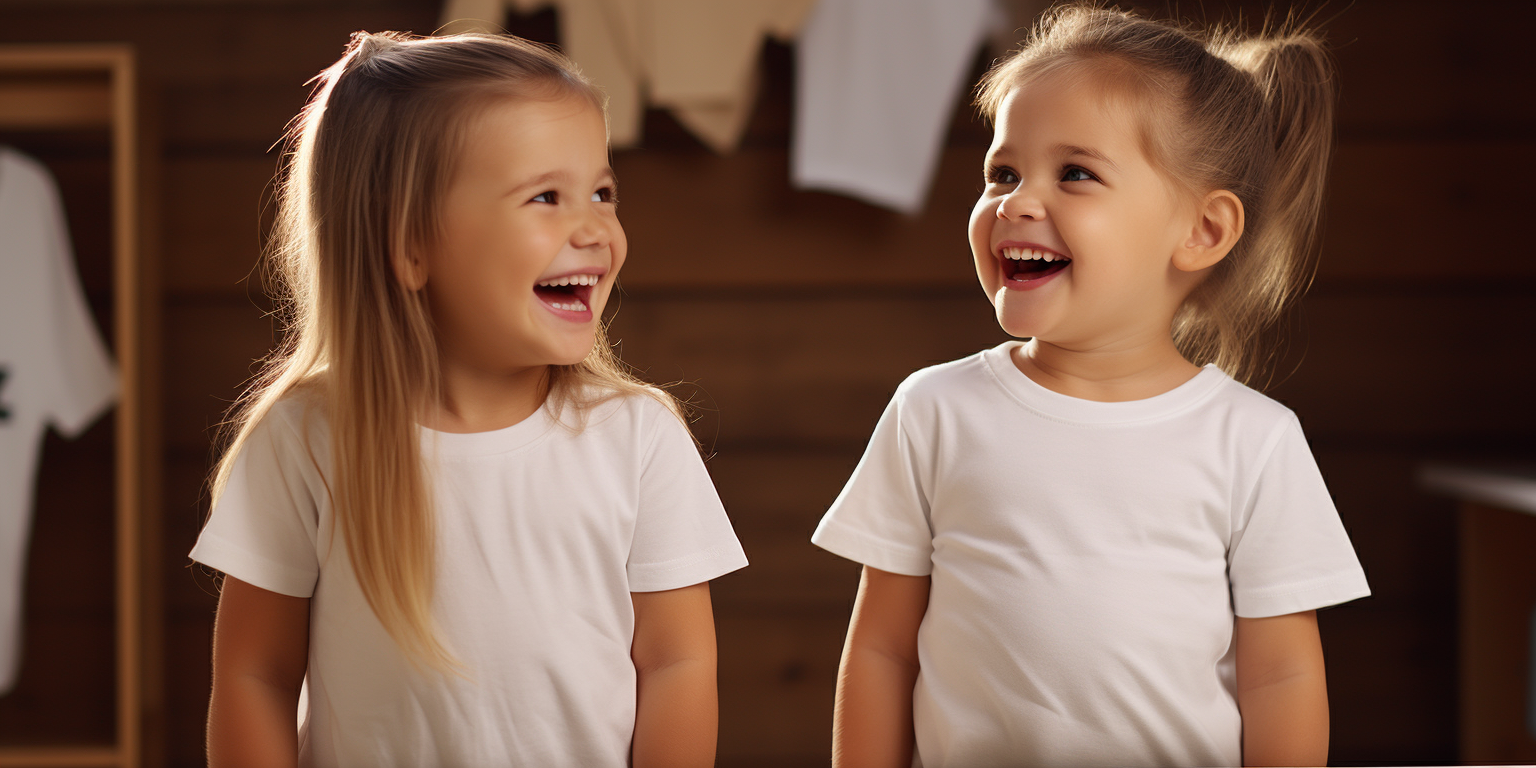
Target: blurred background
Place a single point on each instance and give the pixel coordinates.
(788, 316)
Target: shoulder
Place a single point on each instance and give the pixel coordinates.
(22, 169)
(939, 388)
(1250, 403)
(945, 379)
(1252, 418)
(294, 424)
(639, 414)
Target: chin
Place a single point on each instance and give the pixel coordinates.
(1014, 323)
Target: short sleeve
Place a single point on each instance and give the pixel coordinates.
(79, 371)
(682, 535)
(263, 529)
(1292, 553)
(881, 518)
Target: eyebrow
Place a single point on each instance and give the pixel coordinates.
(537, 181)
(1073, 149)
(545, 178)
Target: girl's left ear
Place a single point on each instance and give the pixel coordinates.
(1218, 225)
(410, 270)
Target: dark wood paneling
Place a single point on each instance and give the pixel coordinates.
(213, 241)
(63, 690)
(1393, 366)
(775, 498)
(775, 701)
(1425, 211)
(1498, 610)
(215, 346)
(797, 369)
(791, 316)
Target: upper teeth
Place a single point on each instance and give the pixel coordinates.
(1030, 253)
(569, 280)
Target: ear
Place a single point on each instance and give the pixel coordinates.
(1218, 224)
(410, 270)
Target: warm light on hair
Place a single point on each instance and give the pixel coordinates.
(369, 159)
(1249, 114)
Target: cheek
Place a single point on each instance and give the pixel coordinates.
(982, 216)
(619, 247)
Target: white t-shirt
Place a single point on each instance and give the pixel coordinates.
(1086, 559)
(875, 86)
(54, 368)
(543, 533)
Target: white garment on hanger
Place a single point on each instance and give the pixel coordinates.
(697, 58)
(875, 85)
(54, 368)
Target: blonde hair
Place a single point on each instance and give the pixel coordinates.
(369, 158)
(1248, 114)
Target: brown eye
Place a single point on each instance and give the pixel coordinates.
(1074, 173)
(545, 197)
(1002, 175)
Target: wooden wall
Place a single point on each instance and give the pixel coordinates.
(791, 316)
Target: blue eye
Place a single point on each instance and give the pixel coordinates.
(1074, 173)
(545, 197)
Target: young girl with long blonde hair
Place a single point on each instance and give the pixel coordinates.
(448, 514)
(1097, 546)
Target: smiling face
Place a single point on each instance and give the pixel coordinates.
(1075, 232)
(530, 240)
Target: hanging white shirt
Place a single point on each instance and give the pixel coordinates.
(876, 83)
(54, 368)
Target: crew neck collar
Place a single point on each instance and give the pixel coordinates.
(1054, 405)
(497, 441)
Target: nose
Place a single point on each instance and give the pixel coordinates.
(593, 230)
(1020, 204)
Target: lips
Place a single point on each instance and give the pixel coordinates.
(568, 294)
(1027, 263)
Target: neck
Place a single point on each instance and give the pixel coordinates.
(474, 400)
(1133, 370)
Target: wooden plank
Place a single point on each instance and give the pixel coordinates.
(32, 105)
(60, 757)
(700, 220)
(63, 695)
(1393, 366)
(188, 643)
(812, 369)
(216, 215)
(775, 498)
(211, 350)
(1407, 65)
(777, 678)
(1406, 210)
(1498, 609)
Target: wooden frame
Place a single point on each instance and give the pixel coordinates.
(60, 87)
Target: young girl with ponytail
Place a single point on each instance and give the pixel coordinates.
(1098, 546)
(448, 515)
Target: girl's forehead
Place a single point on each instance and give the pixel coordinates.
(1056, 108)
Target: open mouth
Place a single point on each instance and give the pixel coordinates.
(1027, 264)
(571, 293)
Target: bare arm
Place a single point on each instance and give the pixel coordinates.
(677, 712)
(260, 652)
(872, 722)
(1282, 691)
